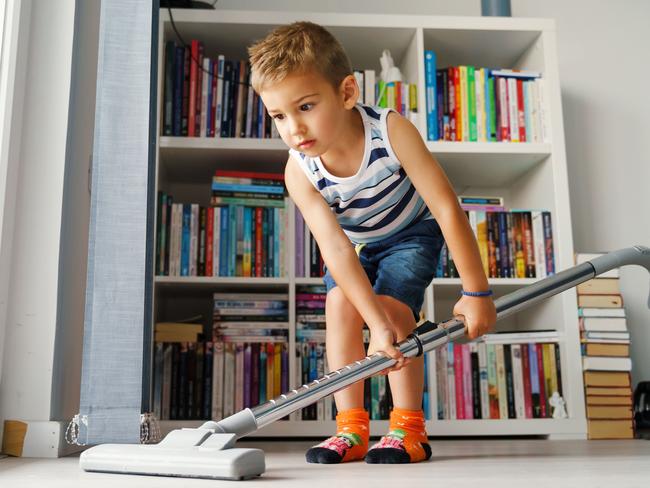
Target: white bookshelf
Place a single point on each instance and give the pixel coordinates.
(527, 175)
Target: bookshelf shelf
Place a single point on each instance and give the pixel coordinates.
(527, 175)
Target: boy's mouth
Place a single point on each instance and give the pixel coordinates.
(307, 144)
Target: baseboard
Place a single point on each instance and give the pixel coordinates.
(36, 439)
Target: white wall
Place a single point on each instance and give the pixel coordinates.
(28, 358)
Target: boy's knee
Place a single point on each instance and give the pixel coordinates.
(399, 314)
(340, 309)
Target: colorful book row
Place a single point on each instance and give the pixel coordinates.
(467, 103)
(497, 381)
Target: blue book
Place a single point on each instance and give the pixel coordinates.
(232, 240)
(430, 90)
(177, 111)
(185, 246)
(534, 379)
(276, 242)
(278, 189)
(503, 245)
(223, 243)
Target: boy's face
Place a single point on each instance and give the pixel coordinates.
(307, 111)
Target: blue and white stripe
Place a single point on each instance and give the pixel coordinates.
(380, 199)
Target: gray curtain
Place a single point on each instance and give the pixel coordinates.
(118, 287)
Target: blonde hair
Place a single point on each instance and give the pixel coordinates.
(297, 48)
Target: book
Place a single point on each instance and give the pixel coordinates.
(609, 412)
(610, 429)
(599, 286)
(600, 301)
(603, 324)
(598, 363)
(601, 312)
(607, 379)
(600, 349)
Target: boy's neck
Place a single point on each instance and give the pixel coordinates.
(345, 157)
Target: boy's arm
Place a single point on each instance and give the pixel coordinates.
(337, 251)
(432, 184)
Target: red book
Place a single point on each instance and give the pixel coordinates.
(451, 90)
(249, 174)
(521, 115)
(458, 381)
(525, 366)
(459, 118)
(258, 241)
(191, 111)
(398, 97)
(209, 241)
(542, 381)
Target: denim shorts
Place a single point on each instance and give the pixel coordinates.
(402, 265)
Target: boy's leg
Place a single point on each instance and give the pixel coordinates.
(406, 440)
(344, 345)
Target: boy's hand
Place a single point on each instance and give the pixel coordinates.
(382, 339)
(479, 312)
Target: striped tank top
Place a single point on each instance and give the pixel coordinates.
(380, 199)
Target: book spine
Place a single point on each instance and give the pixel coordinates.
(451, 383)
(467, 381)
(484, 380)
(513, 115)
(542, 382)
(510, 387)
(458, 381)
(518, 381)
(430, 86)
(525, 367)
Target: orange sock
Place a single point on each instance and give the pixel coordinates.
(406, 441)
(350, 442)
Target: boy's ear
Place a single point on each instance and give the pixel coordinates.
(349, 91)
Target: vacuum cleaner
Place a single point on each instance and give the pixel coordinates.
(208, 451)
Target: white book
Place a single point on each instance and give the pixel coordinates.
(538, 244)
(194, 232)
(501, 383)
(229, 380)
(492, 373)
(603, 324)
(483, 376)
(530, 336)
(518, 381)
(511, 73)
(584, 257)
(598, 363)
(534, 110)
(217, 380)
(513, 109)
(543, 110)
(205, 86)
(601, 312)
(618, 336)
(503, 105)
(239, 377)
(369, 87)
(219, 110)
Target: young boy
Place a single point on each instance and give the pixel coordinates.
(378, 205)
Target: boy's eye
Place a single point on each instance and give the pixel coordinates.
(278, 117)
(306, 106)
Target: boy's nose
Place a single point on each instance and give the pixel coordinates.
(296, 128)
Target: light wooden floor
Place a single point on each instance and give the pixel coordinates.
(473, 463)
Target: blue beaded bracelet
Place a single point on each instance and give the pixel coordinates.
(476, 293)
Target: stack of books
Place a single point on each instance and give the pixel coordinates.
(606, 356)
(251, 354)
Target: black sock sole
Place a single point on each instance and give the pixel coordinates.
(390, 455)
(322, 455)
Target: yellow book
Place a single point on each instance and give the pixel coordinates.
(599, 286)
(607, 378)
(546, 357)
(180, 336)
(178, 326)
(610, 429)
(482, 239)
(464, 126)
(608, 391)
(610, 400)
(609, 412)
(553, 367)
(501, 383)
(600, 301)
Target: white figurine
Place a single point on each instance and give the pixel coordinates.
(558, 404)
(389, 72)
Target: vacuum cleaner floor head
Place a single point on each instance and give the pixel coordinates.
(208, 455)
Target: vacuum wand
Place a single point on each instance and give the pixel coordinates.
(426, 337)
